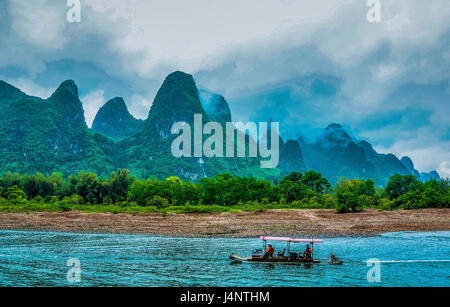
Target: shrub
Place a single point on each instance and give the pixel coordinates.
(38, 199)
(16, 195)
(385, 204)
(329, 201)
(159, 202)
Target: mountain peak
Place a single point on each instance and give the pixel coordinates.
(433, 175)
(116, 104)
(335, 136)
(333, 126)
(114, 120)
(180, 75)
(66, 103)
(69, 85)
(408, 163)
(65, 91)
(291, 157)
(368, 149)
(176, 101)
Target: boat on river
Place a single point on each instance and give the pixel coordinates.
(286, 256)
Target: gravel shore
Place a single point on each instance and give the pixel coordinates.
(325, 223)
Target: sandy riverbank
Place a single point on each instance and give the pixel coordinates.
(247, 224)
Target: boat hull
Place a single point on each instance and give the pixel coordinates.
(285, 260)
(332, 262)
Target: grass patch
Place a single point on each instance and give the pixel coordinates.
(32, 206)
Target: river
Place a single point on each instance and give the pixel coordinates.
(30, 258)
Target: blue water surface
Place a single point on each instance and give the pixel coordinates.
(29, 258)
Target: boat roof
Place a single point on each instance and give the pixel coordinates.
(292, 240)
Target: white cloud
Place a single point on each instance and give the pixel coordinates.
(39, 22)
(233, 46)
(152, 37)
(139, 106)
(30, 88)
(423, 146)
(92, 102)
(444, 169)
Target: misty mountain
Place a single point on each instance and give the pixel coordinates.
(215, 106)
(50, 135)
(337, 154)
(178, 100)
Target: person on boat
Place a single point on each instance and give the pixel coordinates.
(308, 253)
(334, 258)
(270, 251)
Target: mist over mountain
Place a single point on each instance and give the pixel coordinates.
(215, 106)
(337, 154)
(51, 136)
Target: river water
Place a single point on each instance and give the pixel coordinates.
(30, 258)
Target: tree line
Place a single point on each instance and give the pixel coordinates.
(297, 190)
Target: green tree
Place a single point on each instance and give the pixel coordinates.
(293, 191)
(315, 182)
(295, 177)
(347, 193)
(16, 195)
(119, 185)
(399, 185)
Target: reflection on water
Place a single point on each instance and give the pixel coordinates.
(39, 259)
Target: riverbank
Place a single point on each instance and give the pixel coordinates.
(320, 222)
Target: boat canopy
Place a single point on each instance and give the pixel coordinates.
(292, 240)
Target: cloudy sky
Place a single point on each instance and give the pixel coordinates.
(304, 63)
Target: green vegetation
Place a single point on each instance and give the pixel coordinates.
(123, 193)
(114, 120)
